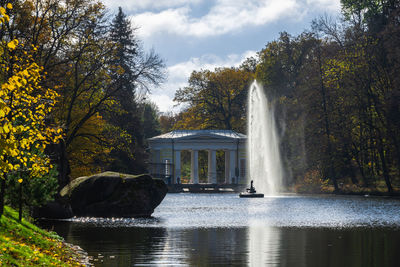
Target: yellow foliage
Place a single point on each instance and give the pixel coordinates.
(24, 105)
(85, 150)
(313, 183)
(216, 99)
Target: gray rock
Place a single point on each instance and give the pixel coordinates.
(112, 194)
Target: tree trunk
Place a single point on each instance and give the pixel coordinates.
(64, 167)
(331, 172)
(2, 196)
(20, 203)
(361, 168)
(384, 167)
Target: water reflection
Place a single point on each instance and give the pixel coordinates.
(208, 247)
(263, 245)
(255, 245)
(274, 246)
(216, 230)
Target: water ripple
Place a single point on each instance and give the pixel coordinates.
(228, 210)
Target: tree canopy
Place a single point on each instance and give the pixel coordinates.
(70, 76)
(335, 90)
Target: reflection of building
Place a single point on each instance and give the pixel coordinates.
(166, 154)
(205, 247)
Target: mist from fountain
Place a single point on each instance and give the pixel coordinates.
(263, 160)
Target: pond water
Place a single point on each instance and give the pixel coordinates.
(224, 230)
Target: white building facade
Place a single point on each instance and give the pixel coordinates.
(166, 154)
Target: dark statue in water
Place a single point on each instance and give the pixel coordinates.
(251, 192)
(251, 189)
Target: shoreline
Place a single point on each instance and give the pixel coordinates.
(23, 243)
(83, 257)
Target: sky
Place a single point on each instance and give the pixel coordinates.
(199, 34)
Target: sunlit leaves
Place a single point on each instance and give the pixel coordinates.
(216, 99)
(24, 107)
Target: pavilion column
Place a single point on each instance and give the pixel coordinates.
(177, 166)
(157, 161)
(212, 167)
(232, 165)
(195, 166)
(227, 164)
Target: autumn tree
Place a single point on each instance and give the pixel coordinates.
(168, 120)
(55, 30)
(24, 105)
(215, 99)
(288, 68)
(334, 90)
(82, 57)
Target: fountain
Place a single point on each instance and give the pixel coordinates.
(263, 155)
(251, 192)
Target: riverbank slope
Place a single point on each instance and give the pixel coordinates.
(24, 244)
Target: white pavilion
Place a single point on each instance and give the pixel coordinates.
(166, 150)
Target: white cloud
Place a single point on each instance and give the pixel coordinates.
(328, 5)
(178, 75)
(130, 5)
(164, 102)
(192, 19)
(224, 17)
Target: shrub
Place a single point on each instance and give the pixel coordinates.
(312, 183)
(36, 191)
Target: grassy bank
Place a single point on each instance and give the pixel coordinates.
(24, 244)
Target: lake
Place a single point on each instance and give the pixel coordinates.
(225, 230)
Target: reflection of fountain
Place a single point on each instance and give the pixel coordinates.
(264, 162)
(264, 246)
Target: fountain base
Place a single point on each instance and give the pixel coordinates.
(246, 194)
(251, 192)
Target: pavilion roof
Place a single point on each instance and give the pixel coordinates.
(183, 134)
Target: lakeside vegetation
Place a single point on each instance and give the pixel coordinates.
(72, 100)
(73, 82)
(24, 244)
(335, 89)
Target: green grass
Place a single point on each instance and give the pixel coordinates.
(24, 244)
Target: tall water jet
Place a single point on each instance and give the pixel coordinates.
(263, 160)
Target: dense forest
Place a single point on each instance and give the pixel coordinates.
(336, 93)
(75, 77)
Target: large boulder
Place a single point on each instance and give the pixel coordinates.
(112, 194)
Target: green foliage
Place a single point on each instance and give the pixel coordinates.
(336, 91)
(36, 191)
(216, 100)
(150, 121)
(97, 66)
(132, 71)
(334, 97)
(371, 12)
(24, 105)
(24, 244)
(312, 183)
